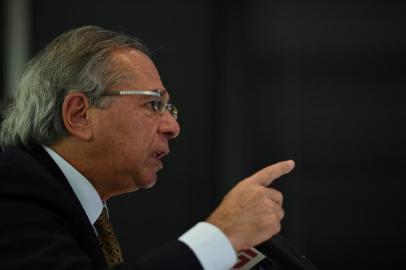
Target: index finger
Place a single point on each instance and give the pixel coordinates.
(267, 175)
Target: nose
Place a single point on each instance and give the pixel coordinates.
(169, 126)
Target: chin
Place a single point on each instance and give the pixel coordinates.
(148, 182)
(147, 185)
(150, 185)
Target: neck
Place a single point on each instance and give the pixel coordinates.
(87, 163)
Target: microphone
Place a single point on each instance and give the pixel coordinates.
(279, 250)
(275, 253)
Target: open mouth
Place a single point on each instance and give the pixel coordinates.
(160, 154)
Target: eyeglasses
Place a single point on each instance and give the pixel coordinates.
(159, 105)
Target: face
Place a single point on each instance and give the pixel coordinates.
(129, 136)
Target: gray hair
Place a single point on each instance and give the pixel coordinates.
(77, 61)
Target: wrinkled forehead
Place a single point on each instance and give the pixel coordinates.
(138, 71)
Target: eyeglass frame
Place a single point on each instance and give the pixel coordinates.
(169, 107)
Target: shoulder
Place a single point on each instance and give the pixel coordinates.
(17, 161)
(11, 155)
(24, 178)
(19, 169)
(42, 216)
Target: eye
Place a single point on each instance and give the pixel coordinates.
(156, 105)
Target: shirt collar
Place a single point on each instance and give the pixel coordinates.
(88, 197)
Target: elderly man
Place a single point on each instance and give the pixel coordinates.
(90, 120)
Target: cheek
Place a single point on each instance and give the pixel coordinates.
(111, 134)
(132, 141)
(128, 135)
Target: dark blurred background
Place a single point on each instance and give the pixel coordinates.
(256, 82)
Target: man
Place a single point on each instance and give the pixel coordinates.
(91, 120)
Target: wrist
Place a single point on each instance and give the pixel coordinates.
(226, 230)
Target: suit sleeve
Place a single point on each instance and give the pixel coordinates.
(174, 255)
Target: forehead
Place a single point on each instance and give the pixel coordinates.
(140, 72)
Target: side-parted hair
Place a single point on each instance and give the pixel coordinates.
(79, 60)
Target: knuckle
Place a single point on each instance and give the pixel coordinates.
(271, 220)
(277, 195)
(280, 196)
(266, 205)
(269, 205)
(278, 228)
(273, 225)
(282, 215)
(259, 192)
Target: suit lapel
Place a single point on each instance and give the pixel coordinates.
(86, 235)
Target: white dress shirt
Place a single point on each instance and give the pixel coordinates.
(209, 244)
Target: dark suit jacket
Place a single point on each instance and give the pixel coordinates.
(43, 226)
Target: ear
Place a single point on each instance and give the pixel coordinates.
(76, 116)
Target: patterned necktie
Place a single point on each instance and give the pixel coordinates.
(108, 240)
